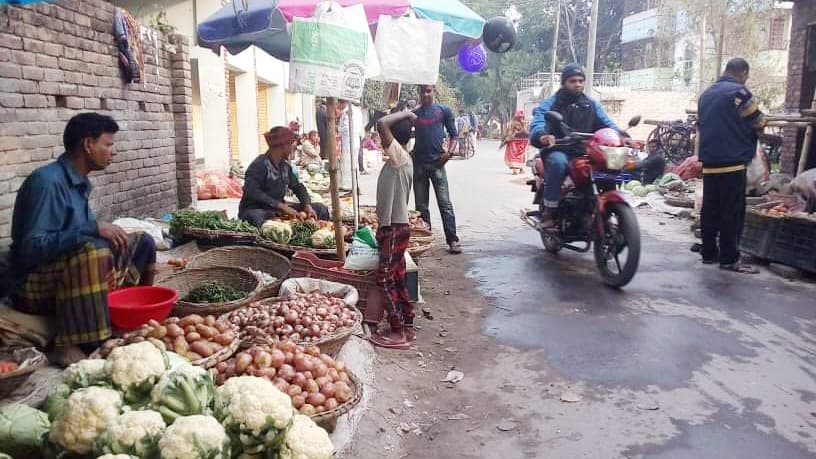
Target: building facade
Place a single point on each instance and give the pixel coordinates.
(235, 97)
(801, 84)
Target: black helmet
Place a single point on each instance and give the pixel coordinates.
(570, 71)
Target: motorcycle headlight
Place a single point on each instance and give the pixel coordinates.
(616, 157)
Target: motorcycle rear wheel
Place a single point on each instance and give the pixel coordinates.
(550, 242)
(621, 234)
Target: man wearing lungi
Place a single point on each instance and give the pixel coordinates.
(64, 260)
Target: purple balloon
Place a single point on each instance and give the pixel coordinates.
(472, 59)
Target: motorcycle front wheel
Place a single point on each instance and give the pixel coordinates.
(617, 250)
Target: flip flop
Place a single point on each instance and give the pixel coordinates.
(387, 343)
(740, 268)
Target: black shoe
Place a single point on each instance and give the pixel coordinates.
(707, 261)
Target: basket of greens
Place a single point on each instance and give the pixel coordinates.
(212, 228)
(215, 290)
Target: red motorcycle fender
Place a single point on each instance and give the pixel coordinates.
(609, 197)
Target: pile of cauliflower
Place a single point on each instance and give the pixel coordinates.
(134, 405)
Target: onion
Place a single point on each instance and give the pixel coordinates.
(302, 363)
(286, 330)
(291, 317)
(288, 346)
(321, 369)
(293, 390)
(298, 401)
(340, 366)
(322, 380)
(269, 373)
(298, 328)
(331, 404)
(344, 377)
(242, 361)
(308, 410)
(325, 359)
(314, 351)
(342, 392)
(322, 311)
(295, 336)
(312, 386)
(263, 359)
(327, 389)
(287, 372)
(333, 374)
(282, 385)
(315, 399)
(299, 379)
(278, 358)
(315, 330)
(306, 320)
(308, 375)
(288, 357)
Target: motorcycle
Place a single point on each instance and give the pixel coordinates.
(591, 209)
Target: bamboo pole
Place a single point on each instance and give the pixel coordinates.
(803, 158)
(355, 197)
(331, 145)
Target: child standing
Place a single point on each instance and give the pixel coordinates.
(393, 191)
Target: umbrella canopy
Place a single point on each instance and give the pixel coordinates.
(263, 23)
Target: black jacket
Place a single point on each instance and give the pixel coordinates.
(266, 184)
(728, 119)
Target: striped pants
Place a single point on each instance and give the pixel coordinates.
(393, 241)
(74, 288)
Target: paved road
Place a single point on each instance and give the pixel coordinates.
(686, 362)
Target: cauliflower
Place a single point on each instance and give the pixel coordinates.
(183, 391)
(85, 373)
(86, 414)
(195, 437)
(55, 401)
(255, 413)
(306, 440)
(135, 432)
(135, 368)
(117, 456)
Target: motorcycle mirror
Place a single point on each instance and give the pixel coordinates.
(634, 121)
(553, 117)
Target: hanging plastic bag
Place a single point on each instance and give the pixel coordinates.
(409, 49)
(328, 57)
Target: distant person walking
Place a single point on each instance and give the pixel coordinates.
(729, 121)
(431, 153)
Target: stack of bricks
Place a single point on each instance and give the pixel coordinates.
(60, 59)
(804, 13)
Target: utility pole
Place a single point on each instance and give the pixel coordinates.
(555, 45)
(593, 33)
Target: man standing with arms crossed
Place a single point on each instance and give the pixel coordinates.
(430, 157)
(729, 119)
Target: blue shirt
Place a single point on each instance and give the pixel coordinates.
(52, 216)
(728, 117)
(429, 132)
(540, 126)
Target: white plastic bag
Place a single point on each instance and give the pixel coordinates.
(308, 285)
(409, 49)
(362, 257)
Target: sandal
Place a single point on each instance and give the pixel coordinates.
(388, 343)
(410, 335)
(740, 268)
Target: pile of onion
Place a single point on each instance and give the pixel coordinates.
(315, 382)
(303, 317)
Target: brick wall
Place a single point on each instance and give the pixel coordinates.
(58, 60)
(804, 13)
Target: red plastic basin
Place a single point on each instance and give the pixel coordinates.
(133, 306)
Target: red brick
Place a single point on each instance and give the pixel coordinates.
(92, 104)
(5, 55)
(53, 49)
(10, 41)
(73, 77)
(48, 62)
(54, 75)
(11, 100)
(74, 102)
(23, 57)
(81, 20)
(10, 70)
(35, 101)
(33, 73)
(33, 46)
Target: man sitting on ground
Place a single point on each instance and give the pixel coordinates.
(65, 261)
(268, 179)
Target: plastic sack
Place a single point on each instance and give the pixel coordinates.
(409, 49)
(328, 56)
(134, 225)
(366, 236)
(758, 173)
(348, 293)
(216, 185)
(362, 257)
(804, 186)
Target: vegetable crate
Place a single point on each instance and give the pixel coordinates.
(759, 234)
(305, 264)
(795, 244)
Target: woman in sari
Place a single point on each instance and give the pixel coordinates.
(515, 142)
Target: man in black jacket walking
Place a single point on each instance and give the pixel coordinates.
(729, 120)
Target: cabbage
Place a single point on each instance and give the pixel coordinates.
(23, 430)
(276, 231)
(324, 239)
(629, 186)
(184, 391)
(651, 188)
(639, 191)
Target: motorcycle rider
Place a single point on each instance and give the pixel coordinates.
(580, 113)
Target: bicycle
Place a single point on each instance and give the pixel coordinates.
(675, 139)
(466, 148)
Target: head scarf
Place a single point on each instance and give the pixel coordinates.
(519, 114)
(279, 136)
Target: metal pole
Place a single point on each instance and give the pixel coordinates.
(593, 36)
(331, 145)
(555, 44)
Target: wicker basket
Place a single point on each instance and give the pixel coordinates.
(422, 235)
(238, 278)
(253, 258)
(207, 362)
(419, 250)
(290, 250)
(328, 419)
(28, 361)
(329, 345)
(218, 237)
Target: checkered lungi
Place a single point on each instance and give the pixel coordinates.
(393, 241)
(74, 288)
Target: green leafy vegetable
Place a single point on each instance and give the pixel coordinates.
(214, 292)
(23, 430)
(56, 400)
(211, 220)
(302, 233)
